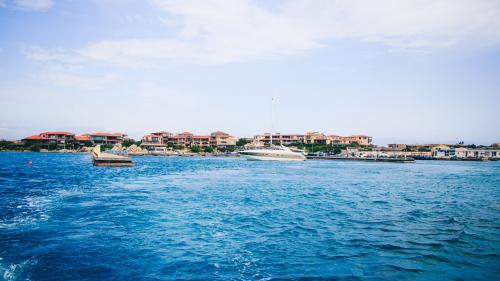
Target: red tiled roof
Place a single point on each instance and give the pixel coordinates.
(160, 133)
(218, 133)
(355, 136)
(58, 133)
(107, 134)
(82, 138)
(36, 137)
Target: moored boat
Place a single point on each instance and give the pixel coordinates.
(273, 153)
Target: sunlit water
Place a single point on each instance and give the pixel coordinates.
(227, 218)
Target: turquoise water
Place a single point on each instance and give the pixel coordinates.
(231, 219)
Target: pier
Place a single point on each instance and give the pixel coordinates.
(368, 159)
(107, 159)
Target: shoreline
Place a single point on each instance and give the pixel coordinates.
(192, 154)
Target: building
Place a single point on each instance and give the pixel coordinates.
(107, 138)
(311, 138)
(183, 139)
(447, 152)
(278, 138)
(221, 139)
(201, 141)
(397, 146)
(359, 139)
(51, 139)
(156, 141)
(334, 139)
(161, 140)
(82, 140)
(315, 138)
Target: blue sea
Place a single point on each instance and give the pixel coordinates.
(200, 218)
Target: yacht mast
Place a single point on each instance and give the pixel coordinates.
(271, 133)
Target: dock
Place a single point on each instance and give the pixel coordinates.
(110, 160)
(366, 159)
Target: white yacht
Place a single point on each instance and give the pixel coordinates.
(273, 153)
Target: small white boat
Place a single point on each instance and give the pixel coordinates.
(273, 153)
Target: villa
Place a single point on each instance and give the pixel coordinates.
(311, 138)
(58, 139)
(61, 139)
(104, 138)
(161, 140)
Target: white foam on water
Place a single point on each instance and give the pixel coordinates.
(37, 210)
(14, 271)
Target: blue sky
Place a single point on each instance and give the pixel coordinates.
(401, 71)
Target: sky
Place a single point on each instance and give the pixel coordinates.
(415, 71)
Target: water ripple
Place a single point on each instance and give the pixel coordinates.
(230, 219)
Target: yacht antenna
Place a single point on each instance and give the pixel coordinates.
(271, 134)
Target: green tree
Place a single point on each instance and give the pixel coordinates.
(129, 142)
(297, 144)
(208, 149)
(34, 148)
(242, 142)
(105, 147)
(195, 149)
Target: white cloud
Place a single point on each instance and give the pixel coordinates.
(219, 31)
(65, 68)
(77, 80)
(34, 4)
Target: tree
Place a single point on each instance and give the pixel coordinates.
(424, 149)
(195, 149)
(34, 148)
(105, 147)
(337, 150)
(354, 144)
(242, 142)
(297, 144)
(208, 149)
(129, 142)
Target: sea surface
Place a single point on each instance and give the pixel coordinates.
(197, 218)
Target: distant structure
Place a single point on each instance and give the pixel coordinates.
(160, 141)
(106, 138)
(65, 139)
(434, 151)
(56, 139)
(311, 138)
(397, 146)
